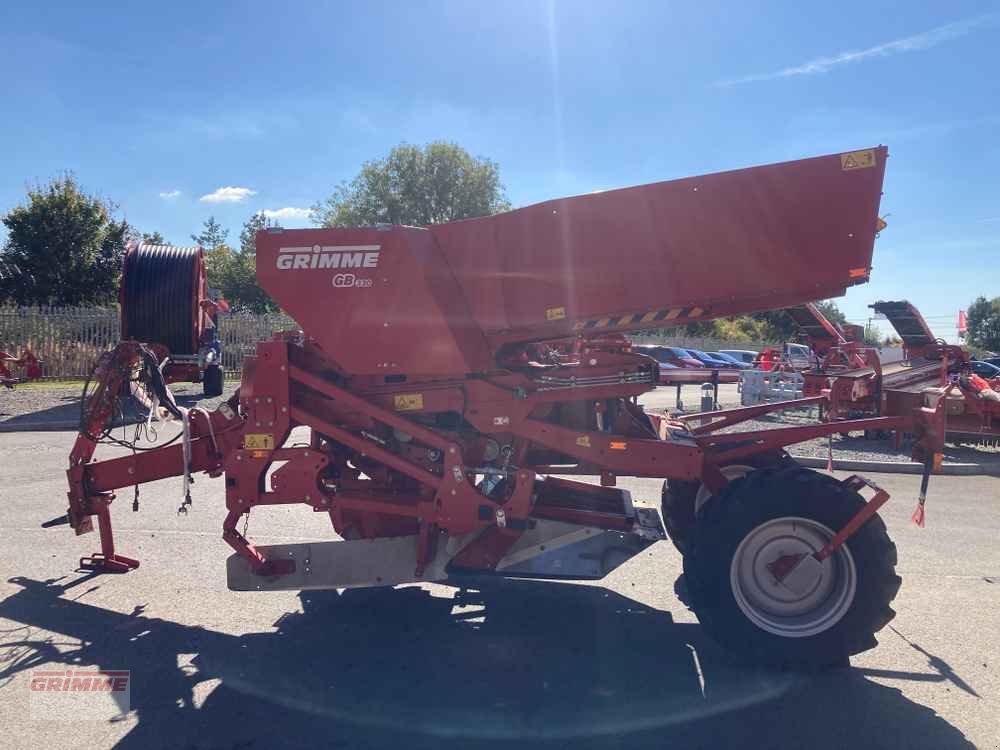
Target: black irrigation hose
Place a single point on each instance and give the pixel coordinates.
(158, 304)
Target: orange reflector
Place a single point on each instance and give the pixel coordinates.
(616, 446)
(260, 454)
(857, 273)
(937, 461)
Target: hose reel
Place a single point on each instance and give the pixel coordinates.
(161, 290)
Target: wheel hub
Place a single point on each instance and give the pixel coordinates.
(780, 590)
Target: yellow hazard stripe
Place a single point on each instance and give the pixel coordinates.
(652, 316)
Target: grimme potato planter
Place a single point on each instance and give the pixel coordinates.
(452, 378)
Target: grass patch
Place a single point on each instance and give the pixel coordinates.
(57, 383)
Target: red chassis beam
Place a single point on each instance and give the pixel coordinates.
(729, 417)
(353, 476)
(91, 483)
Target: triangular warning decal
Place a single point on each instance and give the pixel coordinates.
(857, 159)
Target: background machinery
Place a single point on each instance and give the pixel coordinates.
(165, 302)
(859, 382)
(27, 361)
(448, 381)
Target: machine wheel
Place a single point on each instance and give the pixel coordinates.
(833, 613)
(212, 381)
(681, 500)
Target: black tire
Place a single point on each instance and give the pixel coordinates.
(677, 500)
(762, 496)
(678, 496)
(212, 381)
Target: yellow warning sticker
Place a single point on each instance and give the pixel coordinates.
(408, 401)
(258, 442)
(555, 313)
(583, 441)
(858, 159)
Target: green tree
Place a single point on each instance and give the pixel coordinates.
(873, 337)
(64, 247)
(212, 234)
(777, 325)
(417, 186)
(154, 238)
(983, 321)
(234, 272)
(771, 325)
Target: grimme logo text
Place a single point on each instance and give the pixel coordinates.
(80, 681)
(328, 256)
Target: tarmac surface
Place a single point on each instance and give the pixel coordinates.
(617, 663)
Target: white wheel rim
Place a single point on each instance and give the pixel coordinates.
(817, 605)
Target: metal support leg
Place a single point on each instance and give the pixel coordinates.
(260, 564)
(107, 560)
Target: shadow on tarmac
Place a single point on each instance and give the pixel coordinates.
(67, 412)
(526, 662)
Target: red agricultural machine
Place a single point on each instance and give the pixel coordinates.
(857, 381)
(27, 361)
(165, 302)
(447, 381)
(820, 336)
(934, 373)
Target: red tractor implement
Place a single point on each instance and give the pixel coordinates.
(452, 378)
(934, 373)
(843, 368)
(930, 373)
(31, 365)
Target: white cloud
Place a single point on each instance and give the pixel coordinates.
(288, 213)
(915, 43)
(228, 195)
(169, 195)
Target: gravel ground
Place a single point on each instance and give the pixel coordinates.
(856, 447)
(58, 407)
(853, 447)
(36, 406)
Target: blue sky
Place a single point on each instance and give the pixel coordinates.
(181, 110)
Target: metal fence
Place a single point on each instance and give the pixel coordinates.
(240, 333)
(69, 340)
